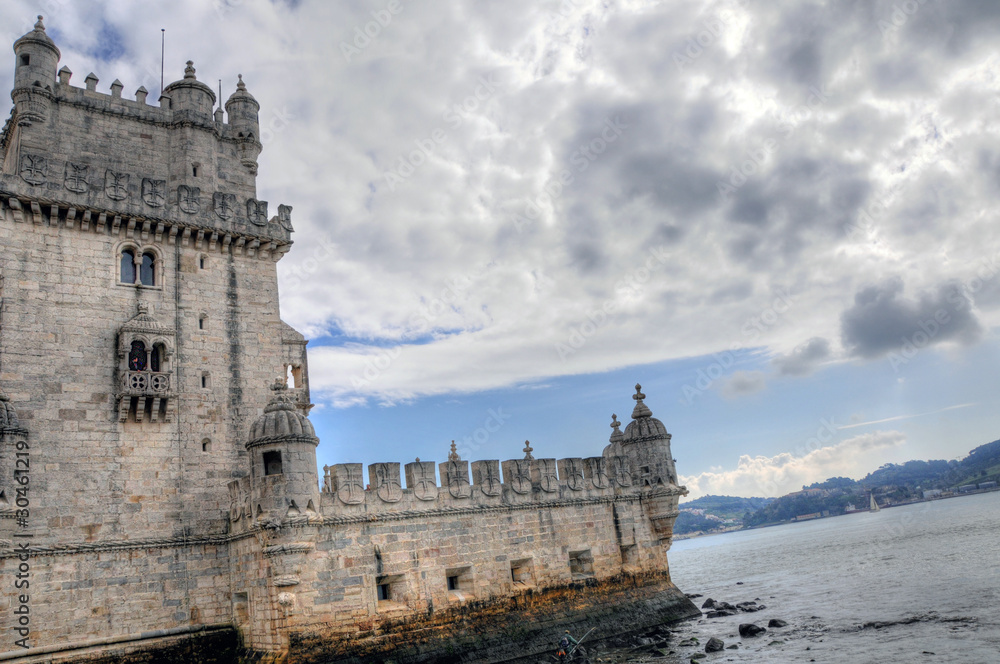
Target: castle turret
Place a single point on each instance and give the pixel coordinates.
(36, 58)
(646, 444)
(190, 94)
(284, 481)
(243, 109)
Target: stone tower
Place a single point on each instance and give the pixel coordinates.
(646, 444)
(139, 332)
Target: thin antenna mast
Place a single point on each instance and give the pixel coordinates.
(163, 44)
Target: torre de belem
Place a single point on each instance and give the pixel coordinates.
(159, 493)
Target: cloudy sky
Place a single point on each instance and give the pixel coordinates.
(779, 216)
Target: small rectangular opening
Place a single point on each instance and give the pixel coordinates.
(521, 572)
(272, 462)
(390, 592)
(459, 581)
(581, 564)
(25, 60)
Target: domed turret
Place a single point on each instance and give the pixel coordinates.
(36, 58)
(190, 94)
(243, 110)
(282, 446)
(647, 444)
(643, 425)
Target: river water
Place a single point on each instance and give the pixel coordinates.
(917, 583)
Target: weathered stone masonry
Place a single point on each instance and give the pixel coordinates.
(175, 504)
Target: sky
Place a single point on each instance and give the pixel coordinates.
(778, 216)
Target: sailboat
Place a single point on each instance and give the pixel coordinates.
(874, 505)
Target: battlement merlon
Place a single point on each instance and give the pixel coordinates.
(179, 161)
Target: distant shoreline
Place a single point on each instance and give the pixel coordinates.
(977, 492)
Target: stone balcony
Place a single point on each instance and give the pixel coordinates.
(146, 396)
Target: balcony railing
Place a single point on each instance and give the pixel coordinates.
(145, 384)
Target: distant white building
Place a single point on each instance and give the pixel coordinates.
(932, 493)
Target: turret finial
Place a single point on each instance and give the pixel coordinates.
(453, 455)
(641, 409)
(279, 386)
(240, 85)
(39, 25)
(527, 451)
(616, 435)
(189, 70)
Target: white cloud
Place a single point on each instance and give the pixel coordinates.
(784, 473)
(893, 134)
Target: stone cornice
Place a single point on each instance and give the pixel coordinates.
(42, 210)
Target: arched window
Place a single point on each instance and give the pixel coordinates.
(147, 272)
(128, 267)
(137, 356)
(154, 357)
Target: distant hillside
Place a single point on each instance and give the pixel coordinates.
(717, 513)
(891, 483)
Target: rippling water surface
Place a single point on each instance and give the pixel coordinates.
(918, 583)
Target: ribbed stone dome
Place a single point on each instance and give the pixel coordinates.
(241, 94)
(8, 416)
(282, 421)
(38, 36)
(643, 424)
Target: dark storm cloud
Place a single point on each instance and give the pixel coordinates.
(803, 360)
(883, 320)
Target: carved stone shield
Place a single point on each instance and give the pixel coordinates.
(224, 204)
(420, 478)
(285, 217)
(34, 168)
(116, 185)
(518, 475)
(386, 478)
(619, 472)
(543, 471)
(571, 470)
(348, 483)
(257, 212)
(189, 199)
(598, 472)
(77, 177)
(456, 475)
(486, 475)
(154, 192)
